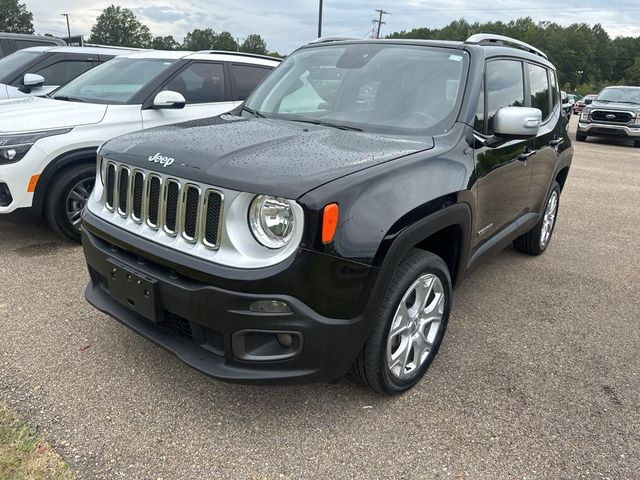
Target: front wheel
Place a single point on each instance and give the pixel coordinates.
(409, 325)
(67, 196)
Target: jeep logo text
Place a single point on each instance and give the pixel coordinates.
(164, 161)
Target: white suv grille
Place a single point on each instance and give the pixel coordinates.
(173, 206)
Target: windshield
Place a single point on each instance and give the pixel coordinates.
(373, 87)
(116, 81)
(621, 95)
(16, 61)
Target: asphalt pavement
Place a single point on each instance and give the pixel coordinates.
(538, 375)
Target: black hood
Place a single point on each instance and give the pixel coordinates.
(259, 155)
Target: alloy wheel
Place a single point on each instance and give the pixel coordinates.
(77, 199)
(415, 327)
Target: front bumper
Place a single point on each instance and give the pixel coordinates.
(208, 326)
(609, 130)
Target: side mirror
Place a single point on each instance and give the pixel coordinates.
(169, 99)
(511, 123)
(32, 80)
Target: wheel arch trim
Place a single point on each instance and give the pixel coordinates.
(458, 215)
(73, 157)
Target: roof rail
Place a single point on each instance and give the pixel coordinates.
(132, 49)
(241, 54)
(480, 38)
(332, 39)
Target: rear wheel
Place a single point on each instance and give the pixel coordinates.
(536, 240)
(67, 196)
(409, 325)
(581, 137)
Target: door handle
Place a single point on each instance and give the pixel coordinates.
(523, 157)
(556, 142)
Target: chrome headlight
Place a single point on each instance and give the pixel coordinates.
(271, 220)
(15, 147)
(584, 116)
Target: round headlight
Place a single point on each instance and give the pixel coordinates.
(271, 220)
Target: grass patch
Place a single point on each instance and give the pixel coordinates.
(24, 455)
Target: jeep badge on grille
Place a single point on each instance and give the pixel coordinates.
(164, 161)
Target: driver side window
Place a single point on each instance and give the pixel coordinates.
(199, 83)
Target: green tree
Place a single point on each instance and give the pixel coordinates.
(254, 43)
(632, 74)
(119, 26)
(164, 43)
(207, 39)
(15, 18)
(199, 39)
(225, 41)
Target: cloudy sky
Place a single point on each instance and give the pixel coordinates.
(287, 24)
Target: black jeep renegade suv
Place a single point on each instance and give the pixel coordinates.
(320, 226)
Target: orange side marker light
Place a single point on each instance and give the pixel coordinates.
(329, 222)
(32, 183)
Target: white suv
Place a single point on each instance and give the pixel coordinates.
(40, 70)
(48, 145)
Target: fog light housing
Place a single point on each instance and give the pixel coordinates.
(269, 306)
(5, 195)
(266, 345)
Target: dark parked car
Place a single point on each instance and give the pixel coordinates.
(12, 42)
(320, 227)
(615, 112)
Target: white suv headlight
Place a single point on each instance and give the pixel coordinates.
(271, 220)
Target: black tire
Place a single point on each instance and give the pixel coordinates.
(636, 143)
(55, 211)
(371, 367)
(581, 137)
(530, 242)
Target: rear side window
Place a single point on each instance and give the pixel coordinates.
(504, 87)
(199, 83)
(62, 72)
(246, 78)
(540, 92)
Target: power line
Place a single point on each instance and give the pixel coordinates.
(379, 21)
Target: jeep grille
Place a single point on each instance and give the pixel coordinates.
(173, 206)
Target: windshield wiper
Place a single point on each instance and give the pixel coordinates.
(328, 124)
(253, 112)
(64, 98)
(629, 101)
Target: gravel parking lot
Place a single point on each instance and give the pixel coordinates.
(538, 377)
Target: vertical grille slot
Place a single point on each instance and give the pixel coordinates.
(211, 227)
(154, 190)
(191, 207)
(123, 191)
(171, 200)
(110, 185)
(137, 195)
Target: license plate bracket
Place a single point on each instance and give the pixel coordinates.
(133, 289)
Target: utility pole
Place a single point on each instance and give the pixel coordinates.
(68, 29)
(379, 21)
(320, 20)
